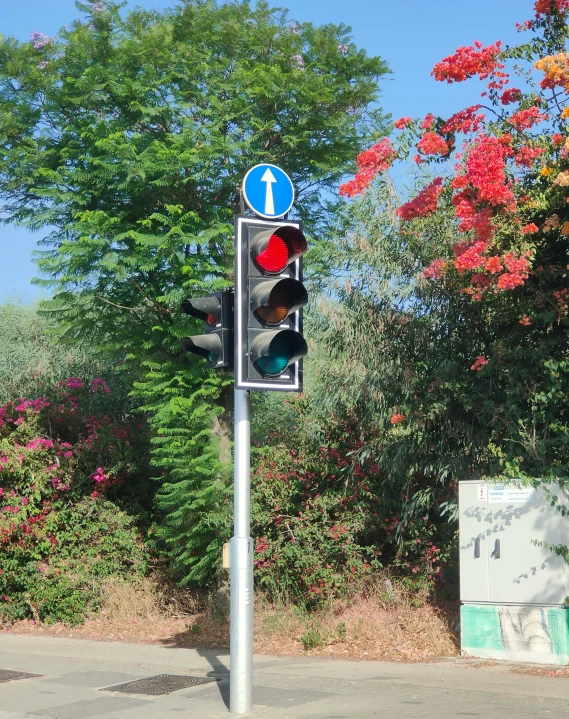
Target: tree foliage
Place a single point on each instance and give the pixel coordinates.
(125, 139)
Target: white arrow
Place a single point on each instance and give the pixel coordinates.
(270, 179)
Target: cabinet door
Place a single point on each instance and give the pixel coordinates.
(520, 571)
(473, 541)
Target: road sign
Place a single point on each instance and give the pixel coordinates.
(268, 191)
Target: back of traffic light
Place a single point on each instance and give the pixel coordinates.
(269, 297)
(216, 345)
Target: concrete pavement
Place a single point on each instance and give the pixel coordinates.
(73, 675)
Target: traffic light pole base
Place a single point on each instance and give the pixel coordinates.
(241, 566)
(241, 668)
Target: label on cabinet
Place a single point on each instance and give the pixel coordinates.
(500, 493)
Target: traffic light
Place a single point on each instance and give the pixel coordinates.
(269, 345)
(216, 345)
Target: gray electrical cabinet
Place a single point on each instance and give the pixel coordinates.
(505, 531)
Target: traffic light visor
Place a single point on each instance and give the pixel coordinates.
(207, 309)
(273, 352)
(272, 251)
(208, 346)
(273, 301)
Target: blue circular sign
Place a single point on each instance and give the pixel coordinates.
(268, 191)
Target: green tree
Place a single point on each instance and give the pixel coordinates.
(127, 137)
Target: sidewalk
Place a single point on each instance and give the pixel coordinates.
(72, 673)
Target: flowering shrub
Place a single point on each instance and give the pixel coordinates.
(65, 467)
(326, 519)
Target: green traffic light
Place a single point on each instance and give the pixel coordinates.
(273, 352)
(273, 364)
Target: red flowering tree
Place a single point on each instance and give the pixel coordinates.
(501, 179)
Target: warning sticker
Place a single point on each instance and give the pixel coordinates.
(513, 493)
(482, 490)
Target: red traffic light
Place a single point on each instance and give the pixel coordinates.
(207, 309)
(272, 251)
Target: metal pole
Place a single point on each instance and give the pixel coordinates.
(241, 566)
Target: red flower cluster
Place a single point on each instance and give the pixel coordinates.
(493, 265)
(530, 229)
(471, 258)
(525, 119)
(402, 122)
(510, 95)
(509, 281)
(466, 120)
(428, 122)
(548, 7)
(397, 418)
(435, 270)
(468, 62)
(479, 362)
(424, 204)
(485, 171)
(432, 144)
(516, 265)
(526, 155)
(377, 159)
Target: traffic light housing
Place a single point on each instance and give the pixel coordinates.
(270, 295)
(216, 345)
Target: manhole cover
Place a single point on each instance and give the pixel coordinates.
(160, 684)
(6, 675)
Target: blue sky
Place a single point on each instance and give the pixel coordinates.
(410, 35)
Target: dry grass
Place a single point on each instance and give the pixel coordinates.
(380, 626)
(366, 628)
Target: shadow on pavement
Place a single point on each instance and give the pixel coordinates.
(219, 671)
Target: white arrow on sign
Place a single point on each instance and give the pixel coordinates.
(270, 179)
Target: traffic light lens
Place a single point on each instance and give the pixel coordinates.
(211, 320)
(274, 258)
(276, 360)
(273, 315)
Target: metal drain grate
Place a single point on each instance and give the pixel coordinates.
(6, 675)
(160, 684)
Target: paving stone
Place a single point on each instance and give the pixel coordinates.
(266, 696)
(94, 679)
(89, 708)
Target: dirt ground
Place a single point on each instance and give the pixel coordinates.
(365, 628)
